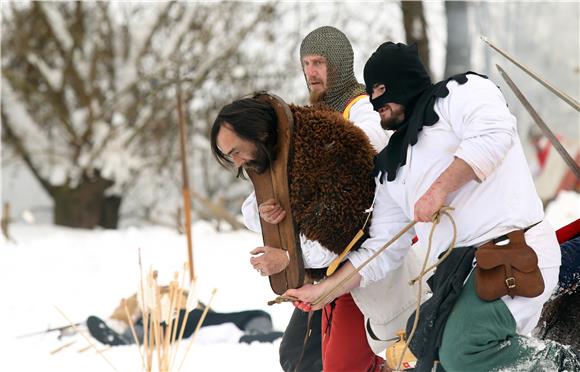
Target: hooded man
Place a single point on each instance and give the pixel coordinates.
(455, 143)
(327, 58)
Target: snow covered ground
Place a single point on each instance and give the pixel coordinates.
(88, 272)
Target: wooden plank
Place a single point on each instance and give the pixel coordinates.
(273, 184)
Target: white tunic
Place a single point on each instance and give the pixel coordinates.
(313, 253)
(475, 125)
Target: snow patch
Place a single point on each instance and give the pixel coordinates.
(564, 209)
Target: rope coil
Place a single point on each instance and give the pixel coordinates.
(424, 271)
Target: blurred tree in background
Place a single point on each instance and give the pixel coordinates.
(88, 96)
(88, 88)
(88, 99)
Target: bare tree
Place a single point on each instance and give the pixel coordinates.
(88, 99)
(458, 58)
(416, 29)
(87, 96)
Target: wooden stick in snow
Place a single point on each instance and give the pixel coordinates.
(186, 192)
(86, 338)
(199, 323)
(131, 325)
(62, 347)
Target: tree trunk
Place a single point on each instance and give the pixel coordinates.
(416, 29)
(86, 205)
(458, 49)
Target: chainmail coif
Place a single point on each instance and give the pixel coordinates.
(332, 44)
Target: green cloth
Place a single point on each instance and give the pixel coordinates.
(481, 336)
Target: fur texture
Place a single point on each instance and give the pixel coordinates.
(331, 183)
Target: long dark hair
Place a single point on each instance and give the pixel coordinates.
(254, 121)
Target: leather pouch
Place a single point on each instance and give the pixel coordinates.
(509, 269)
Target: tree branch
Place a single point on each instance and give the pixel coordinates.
(16, 142)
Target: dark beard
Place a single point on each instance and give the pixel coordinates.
(393, 123)
(261, 163)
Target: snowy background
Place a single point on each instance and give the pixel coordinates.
(87, 272)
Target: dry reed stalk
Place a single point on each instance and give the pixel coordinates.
(83, 349)
(175, 313)
(198, 326)
(74, 327)
(168, 319)
(156, 314)
(146, 317)
(174, 330)
(183, 323)
(62, 347)
(132, 326)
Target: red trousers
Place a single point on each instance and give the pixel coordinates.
(344, 342)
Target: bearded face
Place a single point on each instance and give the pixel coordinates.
(392, 114)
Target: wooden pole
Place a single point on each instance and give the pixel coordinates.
(100, 352)
(186, 192)
(543, 126)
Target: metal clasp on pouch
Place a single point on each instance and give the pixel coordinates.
(510, 282)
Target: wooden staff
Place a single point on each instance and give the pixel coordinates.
(186, 192)
(543, 126)
(100, 352)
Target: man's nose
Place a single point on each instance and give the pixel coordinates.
(309, 71)
(238, 161)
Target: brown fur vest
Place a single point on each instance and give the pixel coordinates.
(330, 176)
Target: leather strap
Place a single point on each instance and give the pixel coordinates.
(373, 334)
(505, 237)
(306, 338)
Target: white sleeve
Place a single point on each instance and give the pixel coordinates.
(314, 254)
(479, 115)
(364, 117)
(251, 214)
(388, 220)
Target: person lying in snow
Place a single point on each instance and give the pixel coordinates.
(251, 325)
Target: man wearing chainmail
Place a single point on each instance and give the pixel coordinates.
(327, 59)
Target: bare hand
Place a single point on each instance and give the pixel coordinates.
(269, 260)
(429, 204)
(307, 294)
(271, 212)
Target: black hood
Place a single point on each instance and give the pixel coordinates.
(399, 68)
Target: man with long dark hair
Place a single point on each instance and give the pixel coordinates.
(327, 59)
(330, 187)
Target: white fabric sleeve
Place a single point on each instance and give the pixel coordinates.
(364, 117)
(314, 254)
(479, 115)
(251, 214)
(387, 221)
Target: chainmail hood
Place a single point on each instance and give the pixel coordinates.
(332, 44)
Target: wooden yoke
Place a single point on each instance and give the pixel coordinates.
(273, 184)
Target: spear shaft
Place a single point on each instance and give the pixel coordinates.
(569, 100)
(186, 191)
(545, 129)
